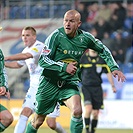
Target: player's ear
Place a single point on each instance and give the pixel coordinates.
(35, 37)
(79, 23)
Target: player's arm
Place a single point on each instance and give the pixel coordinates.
(46, 59)
(13, 64)
(107, 56)
(105, 53)
(109, 76)
(19, 56)
(110, 79)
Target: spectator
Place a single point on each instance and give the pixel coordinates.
(118, 16)
(92, 10)
(104, 11)
(128, 22)
(107, 40)
(129, 51)
(82, 10)
(101, 27)
(118, 48)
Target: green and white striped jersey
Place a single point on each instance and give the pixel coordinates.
(59, 50)
(3, 76)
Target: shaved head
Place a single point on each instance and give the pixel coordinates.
(71, 22)
(73, 13)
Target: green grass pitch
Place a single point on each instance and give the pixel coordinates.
(47, 130)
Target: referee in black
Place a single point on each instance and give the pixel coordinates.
(92, 67)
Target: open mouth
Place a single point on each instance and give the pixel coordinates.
(68, 28)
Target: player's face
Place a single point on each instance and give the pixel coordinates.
(71, 24)
(28, 38)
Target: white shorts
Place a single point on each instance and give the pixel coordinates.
(56, 112)
(30, 97)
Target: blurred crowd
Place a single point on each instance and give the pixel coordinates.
(112, 23)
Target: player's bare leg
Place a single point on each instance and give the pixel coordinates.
(36, 122)
(51, 122)
(74, 104)
(6, 119)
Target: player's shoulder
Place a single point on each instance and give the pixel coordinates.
(38, 43)
(61, 31)
(85, 34)
(56, 34)
(53, 34)
(56, 31)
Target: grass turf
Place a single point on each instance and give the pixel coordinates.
(47, 130)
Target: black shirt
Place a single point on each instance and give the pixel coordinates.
(92, 69)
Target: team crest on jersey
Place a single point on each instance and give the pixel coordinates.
(81, 39)
(45, 50)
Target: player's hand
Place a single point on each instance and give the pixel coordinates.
(2, 91)
(119, 74)
(71, 68)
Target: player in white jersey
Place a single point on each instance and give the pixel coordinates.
(29, 57)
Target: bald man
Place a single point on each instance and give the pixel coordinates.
(60, 77)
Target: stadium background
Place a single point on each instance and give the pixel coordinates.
(45, 16)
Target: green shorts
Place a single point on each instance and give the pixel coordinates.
(50, 92)
(2, 108)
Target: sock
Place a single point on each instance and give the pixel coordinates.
(30, 129)
(21, 124)
(87, 124)
(2, 127)
(59, 128)
(93, 125)
(76, 125)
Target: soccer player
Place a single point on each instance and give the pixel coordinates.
(60, 77)
(92, 67)
(29, 57)
(6, 117)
